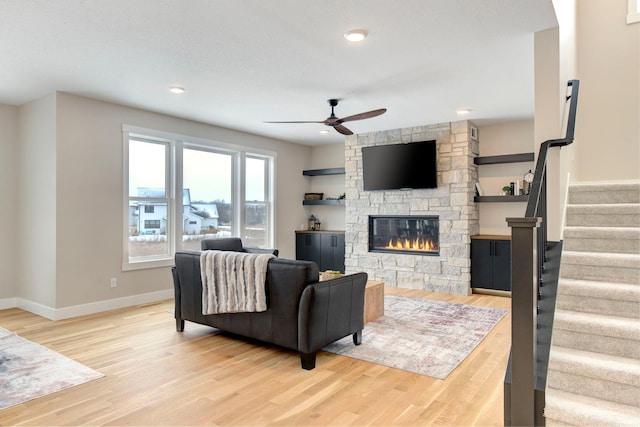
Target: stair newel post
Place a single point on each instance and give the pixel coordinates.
(524, 297)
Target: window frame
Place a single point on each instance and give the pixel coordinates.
(175, 145)
(633, 14)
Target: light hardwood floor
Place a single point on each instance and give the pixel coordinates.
(157, 376)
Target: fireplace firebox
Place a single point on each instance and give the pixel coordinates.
(418, 235)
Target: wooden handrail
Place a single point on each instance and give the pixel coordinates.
(528, 254)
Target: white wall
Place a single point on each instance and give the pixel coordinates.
(90, 147)
(327, 156)
(36, 210)
(608, 125)
(549, 90)
(595, 45)
(9, 193)
(499, 139)
(71, 159)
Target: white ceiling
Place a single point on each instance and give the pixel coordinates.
(248, 61)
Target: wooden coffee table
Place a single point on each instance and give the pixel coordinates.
(373, 300)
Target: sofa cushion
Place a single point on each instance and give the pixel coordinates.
(226, 244)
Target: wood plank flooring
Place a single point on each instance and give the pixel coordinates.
(157, 376)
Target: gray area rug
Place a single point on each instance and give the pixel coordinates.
(422, 336)
(29, 370)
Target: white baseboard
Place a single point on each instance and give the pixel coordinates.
(37, 308)
(8, 303)
(84, 309)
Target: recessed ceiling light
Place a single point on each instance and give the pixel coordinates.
(355, 35)
(324, 131)
(463, 111)
(176, 89)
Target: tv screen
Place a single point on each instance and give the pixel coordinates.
(400, 166)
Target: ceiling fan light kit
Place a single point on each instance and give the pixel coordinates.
(336, 122)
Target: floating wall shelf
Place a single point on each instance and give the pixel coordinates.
(501, 199)
(327, 171)
(507, 158)
(323, 202)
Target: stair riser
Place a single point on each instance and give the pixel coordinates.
(609, 307)
(631, 195)
(622, 347)
(620, 246)
(625, 394)
(575, 218)
(601, 273)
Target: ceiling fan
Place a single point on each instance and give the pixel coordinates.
(336, 122)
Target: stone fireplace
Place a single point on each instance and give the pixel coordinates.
(448, 270)
(412, 234)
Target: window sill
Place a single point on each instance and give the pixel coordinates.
(145, 264)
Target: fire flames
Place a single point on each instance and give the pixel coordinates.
(418, 244)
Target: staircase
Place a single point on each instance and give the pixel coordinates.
(594, 363)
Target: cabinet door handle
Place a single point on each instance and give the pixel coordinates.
(492, 248)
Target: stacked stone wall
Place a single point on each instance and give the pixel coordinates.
(452, 201)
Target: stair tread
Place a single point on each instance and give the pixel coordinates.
(599, 289)
(598, 324)
(582, 410)
(602, 258)
(596, 365)
(605, 186)
(602, 232)
(624, 207)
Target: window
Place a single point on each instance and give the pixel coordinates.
(257, 209)
(181, 190)
(633, 14)
(208, 175)
(148, 200)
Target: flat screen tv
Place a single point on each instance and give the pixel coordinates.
(400, 166)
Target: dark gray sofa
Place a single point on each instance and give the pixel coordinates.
(303, 314)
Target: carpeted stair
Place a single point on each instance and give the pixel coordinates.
(594, 363)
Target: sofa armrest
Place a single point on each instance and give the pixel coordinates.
(331, 310)
(269, 251)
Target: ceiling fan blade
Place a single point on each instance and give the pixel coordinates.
(343, 130)
(362, 116)
(296, 122)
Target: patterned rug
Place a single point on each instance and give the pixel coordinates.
(422, 336)
(29, 370)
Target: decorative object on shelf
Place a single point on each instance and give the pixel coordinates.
(313, 196)
(479, 191)
(330, 274)
(341, 197)
(312, 222)
(504, 195)
(528, 179)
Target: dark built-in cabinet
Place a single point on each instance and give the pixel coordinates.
(325, 248)
(491, 262)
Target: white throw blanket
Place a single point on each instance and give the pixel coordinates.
(233, 282)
